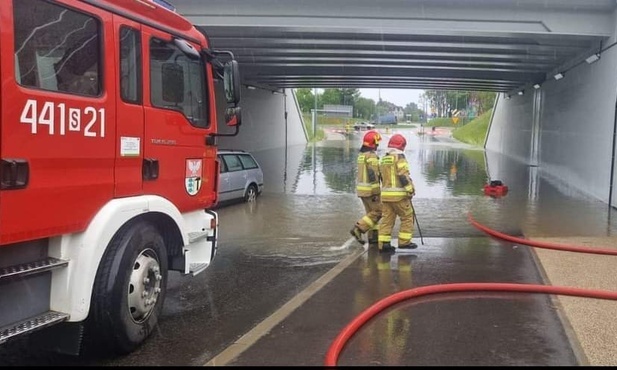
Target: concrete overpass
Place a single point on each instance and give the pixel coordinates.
(553, 62)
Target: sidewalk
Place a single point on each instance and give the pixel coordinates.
(592, 321)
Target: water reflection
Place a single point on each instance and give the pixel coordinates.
(327, 170)
(329, 167)
(387, 336)
(449, 179)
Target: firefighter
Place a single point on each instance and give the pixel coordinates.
(368, 189)
(396, 192)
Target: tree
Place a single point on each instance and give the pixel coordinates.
(349, 96)
(437, 101)
(485, 100)
(413, 113)
(410, 107)
(364, 108)
(444, 102)
(331, 96)
(306, 99)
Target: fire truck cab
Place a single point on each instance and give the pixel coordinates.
(108, 166)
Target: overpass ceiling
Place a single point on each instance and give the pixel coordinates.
(496, 45)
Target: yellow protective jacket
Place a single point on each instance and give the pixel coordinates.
(396, 184)
(367, 183)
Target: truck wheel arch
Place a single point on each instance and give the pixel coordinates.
(72, 288)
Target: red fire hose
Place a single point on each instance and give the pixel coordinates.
(538, 244)
(348, 331)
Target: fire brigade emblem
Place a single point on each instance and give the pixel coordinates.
(192, 182)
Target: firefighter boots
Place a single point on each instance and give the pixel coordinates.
(357, 234)
(387, 248)
(408, 246)
(372, 237)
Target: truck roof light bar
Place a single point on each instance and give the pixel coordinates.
(165, 5)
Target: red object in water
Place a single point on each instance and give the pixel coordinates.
(496, 189)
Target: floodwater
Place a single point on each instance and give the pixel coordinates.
(310, 200)
(297, 231)
(273, 251)
(449, 177)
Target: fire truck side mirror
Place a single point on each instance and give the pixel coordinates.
(231, 78)
(233, 116)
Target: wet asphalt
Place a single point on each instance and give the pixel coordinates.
(287, 278)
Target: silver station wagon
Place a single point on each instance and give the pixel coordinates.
(241, 177)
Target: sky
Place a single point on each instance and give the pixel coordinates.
(399, 97)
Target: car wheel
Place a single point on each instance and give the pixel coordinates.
(129, 289)
(251, 193)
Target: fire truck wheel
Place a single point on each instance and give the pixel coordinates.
(129, 289)
(251, 193)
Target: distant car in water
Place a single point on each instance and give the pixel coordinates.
(241, 177)
(362, 126)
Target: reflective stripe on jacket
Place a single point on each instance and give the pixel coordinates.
(368, 185)
(392, 167)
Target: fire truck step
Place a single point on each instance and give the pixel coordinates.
(197, 236)
(196, 268)
(34, 323)
(29, 268)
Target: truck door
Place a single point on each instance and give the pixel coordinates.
(58, 100)
(2, 51)
(177, 112)
(129, 105)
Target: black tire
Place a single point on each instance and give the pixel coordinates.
(251, 193)
(127, 270)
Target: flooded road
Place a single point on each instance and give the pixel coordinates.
(449, 177)
(273, 250)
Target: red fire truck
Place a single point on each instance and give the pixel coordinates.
(107, 163)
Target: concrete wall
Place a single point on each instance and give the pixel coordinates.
(576, 127)
(263, 121)
(510, 131)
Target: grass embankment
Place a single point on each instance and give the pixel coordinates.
(447, 122)
(474, 132)
(308, 124)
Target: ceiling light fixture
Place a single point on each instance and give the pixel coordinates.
(536, 86)
(522, 92)
(593, 58)
(558, 76)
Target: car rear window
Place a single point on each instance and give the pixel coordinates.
(232, 162)
(248, 162)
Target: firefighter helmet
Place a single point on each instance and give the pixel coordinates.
(397, 141)
(371, 139)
